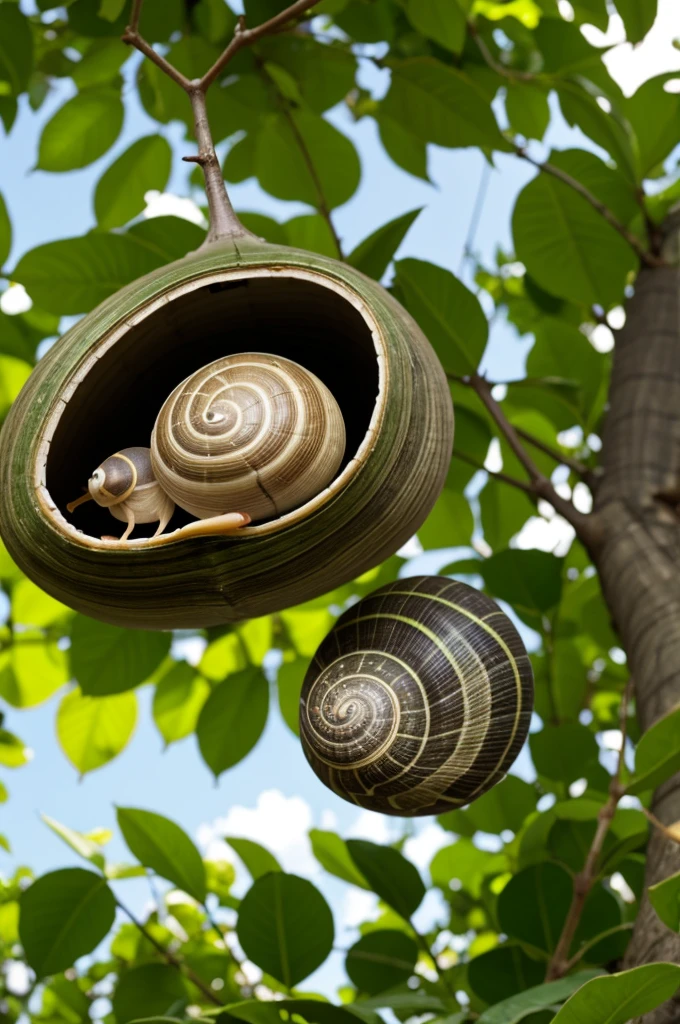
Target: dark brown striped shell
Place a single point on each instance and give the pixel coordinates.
(418, 700)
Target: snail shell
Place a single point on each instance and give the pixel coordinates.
(418, 700)
(253, 432)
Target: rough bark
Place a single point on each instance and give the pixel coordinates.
(638, 503)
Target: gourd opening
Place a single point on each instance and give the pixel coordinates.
(117, 392)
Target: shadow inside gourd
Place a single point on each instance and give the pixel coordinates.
(117, 399)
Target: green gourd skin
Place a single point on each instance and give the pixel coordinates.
(207, 581)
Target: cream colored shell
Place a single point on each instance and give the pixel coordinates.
(248, 433)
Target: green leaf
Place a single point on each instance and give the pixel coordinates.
(638, 17)
(75, 274)
(581, 109)
(618, 998)
(658, 754)
(232, 719)
(214, 20)
(64, 915)
(332, 853)
(465, 863)
(313, 1011)
(449, 314)
(239, 164)
(375, 253)
(322, 75)
(5, 231)
(390, 875)
(653, 114)
(567, 246)
(81, 131)
(163, 846)
(312, 232)
(381, 960)
(31, 606)
(289, 680)
(108, 659)
(120, 191)
(93, 730)
(371, 22)
(82, 844)
(562, 752)
(285, 927)
(100, 64)
(13, 751)
(534, 904)
(665, 898)
(441, 20)
(449, 524)
(16, 49)
(504, 807)
(527, 108)
(265, 227)
(407, 151)
(168, 238)
(529, 580)
(257, 860)
(147, 991)
(504, 511)
(518, 1007)
(288, 146)
(503, 972)
(561, 350)
(440, 104)
(13, 375)
(32, 670)
(177, 701)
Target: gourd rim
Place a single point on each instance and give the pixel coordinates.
(58, 521)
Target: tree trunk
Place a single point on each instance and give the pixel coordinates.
(638, 504)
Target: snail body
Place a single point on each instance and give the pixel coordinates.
(418, 700)
(252, 432)
(125, 484)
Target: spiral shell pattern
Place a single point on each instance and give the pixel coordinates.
(418, 700)
(248, 433)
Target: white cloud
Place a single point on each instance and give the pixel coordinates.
(411, 549)
(358, 906)
(165, 204)
(422, 847)
(15, 300)
(369, 825)
(629, 65)
(277, 822)
(553, 534)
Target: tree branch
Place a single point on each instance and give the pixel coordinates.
(585, 879)
(248, 36)
(646, 257)
(586, 526)
(501, 477)
(171, 959)
(500, 69)
(132, 37)
(589, 475)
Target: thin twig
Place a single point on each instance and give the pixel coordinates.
(501, 477)
(132, 37)
(577, 957)
(171, 959)
(500, 69)
(444, 982)
(646, 257)
(565, 460)
(135, 16)
(586, 526)
(248, 36)
(672, 832)
(585, 879)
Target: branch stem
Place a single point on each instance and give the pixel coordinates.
(500, 69)
(501, 477)
(248, 36)
(171, 959)
(585, 879)
(586, 526)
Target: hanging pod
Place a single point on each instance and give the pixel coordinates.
(100, 389)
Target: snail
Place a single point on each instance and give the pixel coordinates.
(253, 432)
(418, 700)
(126, 485)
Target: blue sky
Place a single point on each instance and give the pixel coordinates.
(176, 783)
